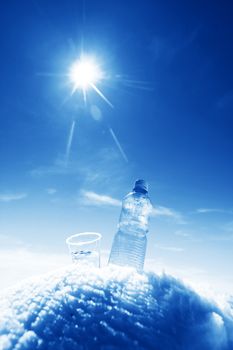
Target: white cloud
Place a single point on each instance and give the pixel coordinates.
(214, 210)
(210, 284)
(12, 197)
(101, 165)
(170, 248)
(93, 198)
(21, 262)
(210, 210)
(152, 311)
(6, 240)
(182, 233)
(58, 167)
(51, 191)
(168, 212)
(229, 227)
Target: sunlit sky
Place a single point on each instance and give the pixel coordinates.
(168, 75)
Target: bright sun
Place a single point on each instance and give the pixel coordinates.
(84, 73)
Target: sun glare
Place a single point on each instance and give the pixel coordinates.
(84, 74)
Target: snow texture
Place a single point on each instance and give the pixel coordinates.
(110, 308)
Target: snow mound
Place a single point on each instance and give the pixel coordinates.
(110, 308)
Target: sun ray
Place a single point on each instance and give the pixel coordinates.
(118, 145)
(69, 141)
(101, 95)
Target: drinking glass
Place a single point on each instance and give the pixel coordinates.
(84, 248)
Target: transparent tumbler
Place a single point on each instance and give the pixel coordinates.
(84, 248)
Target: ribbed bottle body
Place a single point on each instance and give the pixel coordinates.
(128, 250)
(130, 241)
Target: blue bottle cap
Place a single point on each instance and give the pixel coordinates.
(141, 186)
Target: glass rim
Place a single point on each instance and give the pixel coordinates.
(69, 239)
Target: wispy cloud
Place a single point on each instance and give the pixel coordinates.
(9, 240)
(93, 198)
(21, 262)
(226, 237)
(169, 213)
(92, 167)
(182, 233)
(170, 248)
(9, 197)
(51, 191)
(58, 167)
(191, 235)
(228, 227)
(213, 210)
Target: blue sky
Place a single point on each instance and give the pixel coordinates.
(169, 77)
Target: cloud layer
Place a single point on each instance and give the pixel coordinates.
(111, 308)
(93, 198)
(213, 210)
(9, 197)
(169, 213)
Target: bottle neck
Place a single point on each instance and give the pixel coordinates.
(140, 190)
(138, 194)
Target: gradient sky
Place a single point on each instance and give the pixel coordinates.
(169, 77)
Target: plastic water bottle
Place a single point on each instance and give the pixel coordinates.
(130, 241)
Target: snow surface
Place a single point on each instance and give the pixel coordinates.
(110, 308)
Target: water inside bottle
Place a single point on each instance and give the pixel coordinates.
(128, 250)
(130, 241)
